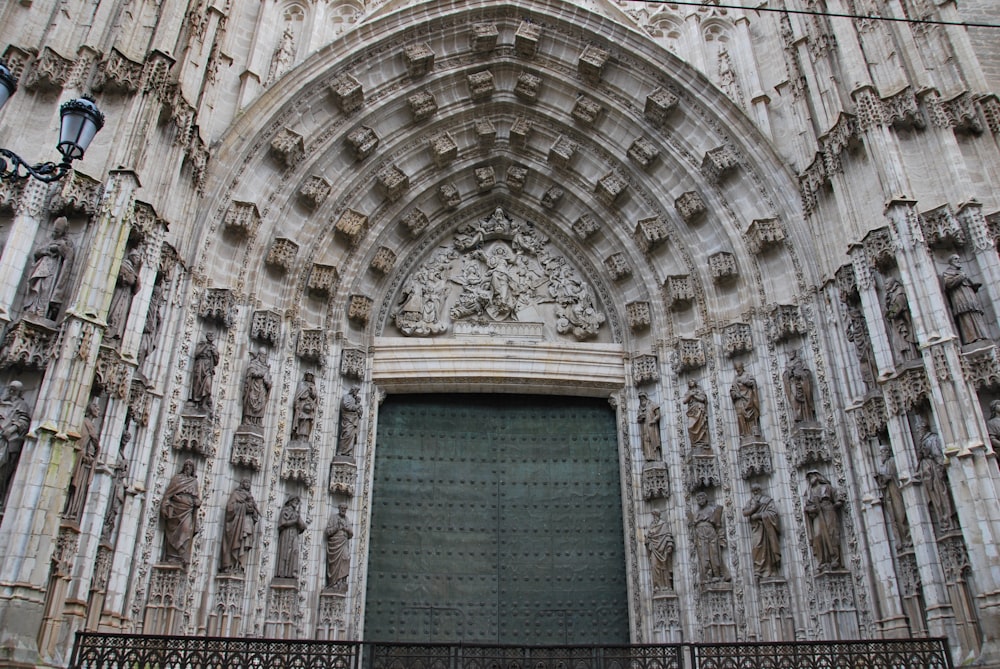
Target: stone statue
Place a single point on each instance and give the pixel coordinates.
(709, 540)
(350, 422)
(822, 505)
(83, 470)
(892, 498)
(338, 550)
(964, 302)
(284, 55)
(660, 544)
(649, 428)
(290, 526)
(242, 515)
(49, 281)
(179, 511)
(420, 306)
(256, 389)
(931, 472)
(857, 333)
(697, 416)
(151, 328)
(15, 420)
(304, 408)
(206, 357)
(897, 310)
(799, 389)
(119, 486)
(993, 425)
(746, 401)
(765, 533)
(125, 290)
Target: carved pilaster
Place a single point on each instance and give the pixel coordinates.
(282, 254)
(736, 339)
(288, 147)
(265, 327)
(353, 224)
(645, 369)
(610, 188)
(347, 93)
(331, 617)
(362, 142)
(722, 266)
(165, 599)
(242, 219)
(639, 316)
(219, 305)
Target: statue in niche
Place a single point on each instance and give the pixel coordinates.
(746, 401)
(125, 289)
(993, 425)
(304, 408)
(964, 302)
(338, 550)
(649, 429)
(206, 358)
(284, 55)
(242, 515)
(15, 420)
(697, 417)
(350, 422)
(799, 389)
(660, 544)
(290, 526)
(179, 511)
(892, 497)
(118, 489)
(256, 389)
(765, 533)
(151, 329)
(709, 540)
(857, 333)
(823, 503)
(83, 471)
(931, 472)
(897, 310)
(420, 305)
(48, 283)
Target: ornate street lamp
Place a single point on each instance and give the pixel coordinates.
(80, 121)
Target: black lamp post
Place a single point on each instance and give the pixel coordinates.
(80, 121)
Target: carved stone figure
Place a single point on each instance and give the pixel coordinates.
(179, 512)
(993, 425)
(897, 310)
(350, 422)
(697, 416)
(765, 533)
(290, 526)
(799, 389)
(151, 329)
(931, 472)
(892, 498)
(256, 389)
(857, 333)
(119, 486)
(125, 290)
(242, 515)
(419, 309)
(206, 357)
(822, 505)
(284, 55)
(304, 408)
(49, 281)
(964, 302)
(649, 428)
(15, 420)
(83, 470)
(709, 540)
(746, 401)
(660, 544)
(338, 550)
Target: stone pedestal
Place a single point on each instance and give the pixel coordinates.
(298, 462)
(666, 617)
(777, 622)
(248, 447)
(838, 612)
(165, 601)
(282, 609)
(808, 445)
(655, 481)
(194, 433)
(227, 613)
(715, 613)
(29, 344)
(701, 471)
(331, 618)
(343, 472)
(755, 459)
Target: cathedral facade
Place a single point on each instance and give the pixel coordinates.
(627, 322)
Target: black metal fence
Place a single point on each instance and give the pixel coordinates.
(135, 651)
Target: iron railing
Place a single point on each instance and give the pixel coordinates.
(94, 650)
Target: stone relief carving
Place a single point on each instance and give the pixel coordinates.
(242, 516)
(496, 271)
(283, 57)
(798, 380)
(338, 535)
(83, 470)
(151, 328)
(709, 536)
(964, 302)
(206, 358)
(125, 289)
(51, 272)
(897, 311)
(931, 472)
(746, 402)
(892, 498)
(823, 503)
(765, 533)
(696, 402)
(351, 411)
(119, 487)
(649, 428)
(290, 526)
(256, 389)
(15, 420)
(660, 544)
(304, 408)
(857, 334)
(179, 511)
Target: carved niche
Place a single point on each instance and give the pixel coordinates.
(496, 276)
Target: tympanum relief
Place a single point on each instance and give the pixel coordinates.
(497, 275)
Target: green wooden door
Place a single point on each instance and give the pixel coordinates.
(496, 519)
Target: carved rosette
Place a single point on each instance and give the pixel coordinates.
(353, 224)
(383, 260)
(416, 222)
(981, 367)
(880, 249)
(809, 447)
(586, 110)
(448, 196)
(690, 354)
(610, 188)
(281, 255)
(310, 345)
(481, 85)
(941, 228)
(638, 315)
(655, 481)
(352, 363)
(347, 93)
(484, 37)
(322, 279)
(443, 148)
(219, 305)
(722, 266)
(392, 182)
(785, 322)
(297, 465)
(314, 191)
(194, 434)
(28, 344)
(645, 369)
(701, 471)
(679, 291)
(552, 196)
(520, 131)
(526, 39)
(362, 141)
(248, 448)
(486, 133)
(288, 147)
(486, 178)
(359, 309)
(112, 374)
(906, 390)
(242, 219)
(419, 59)
(755, 459)
(517, 175)
(871, 417)
(265, 327)
(590, 64)
(342, 476)
(659, 104)
(736, 339)
(651, 233)
(618, 266)
(585, 227)
(719, 163)
(764, 234)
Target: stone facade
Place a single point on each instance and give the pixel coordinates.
(309, 202)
